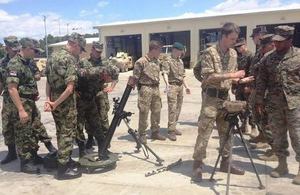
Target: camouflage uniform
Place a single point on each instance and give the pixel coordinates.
(174, 68)
(86, 104)
(146, 71)
(213, 60)
(60, 70)
(101, 99)
(279, 74)
(18, 72)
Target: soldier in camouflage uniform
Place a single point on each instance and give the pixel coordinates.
(88, 115)
(256, 35)
(216, 69)
(23, 92)
(12, 46)
(101, 99)
(146, 72)
(279, 74)
(61, 100)
(173, 74)
(242, 92)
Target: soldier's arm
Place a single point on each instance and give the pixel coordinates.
(261, 82)
(137, 70)
(165, 68)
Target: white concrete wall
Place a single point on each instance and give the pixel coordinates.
(250, 20)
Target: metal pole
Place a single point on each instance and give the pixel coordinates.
(46, 37)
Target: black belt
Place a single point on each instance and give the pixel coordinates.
(29, 96)
(213, 92)
(176, 83)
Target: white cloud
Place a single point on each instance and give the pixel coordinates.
(33, 25)
(94, 13)
(5, 1)
(179, 3)
(102, 3)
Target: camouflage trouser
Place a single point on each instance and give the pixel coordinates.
(88, 115)
(149, 100)
(175, 99)
(65, 118)
(260, 120)
(283, 120)
(8, 112)
(25, 138)
(102, 103)
(38, 127)
(8, 126)
(211, 112)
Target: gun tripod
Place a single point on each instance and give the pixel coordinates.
(233, 120)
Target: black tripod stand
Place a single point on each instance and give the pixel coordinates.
(233, 120)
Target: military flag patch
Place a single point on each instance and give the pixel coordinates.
(13, 73)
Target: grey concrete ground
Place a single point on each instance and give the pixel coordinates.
(129, 175)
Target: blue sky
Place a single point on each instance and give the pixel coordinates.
(24, 17)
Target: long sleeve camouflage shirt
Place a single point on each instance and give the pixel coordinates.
(280, 75)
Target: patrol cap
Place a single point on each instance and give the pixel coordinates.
(97, 46)
(178, 46)
(240, 42)
(79, 39)
(12, 42)
(31, 43)
(283, 32)
(259, 30)
(266, 39)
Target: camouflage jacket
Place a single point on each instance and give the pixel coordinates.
(244, 61)
(174, 68)
(213, 60)
(146, 71)
(19, 72)
(280, 75)
(60, 70)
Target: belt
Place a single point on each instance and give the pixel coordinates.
(28, 96)
(176, 83)
(149, 85)
(213, 92)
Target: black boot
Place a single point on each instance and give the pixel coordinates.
(11, 155)
(67, 171)
(27, 166)
(50, 147)
(90, 142)
(81, 148)
(36, 158)
(100, 142)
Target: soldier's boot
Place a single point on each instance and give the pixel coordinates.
(281, 169)
(143, 138)
(68, 171)
(50, 147)
(172, 135)
(11, 155)
(197, 171)
(100, 143)
(28, 166)
(233, 169)
(177, 132)
(81, 148)
(296, 179)
(157, 136)
(269, 155)
(259, 138)
(36, 158)
(90, 142)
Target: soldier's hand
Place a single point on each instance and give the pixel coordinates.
(187, 91)
(239, 74)
(132, 81)
(247, 80)
(108, 89)
(24, 117)
(47, 107)
(52, 105)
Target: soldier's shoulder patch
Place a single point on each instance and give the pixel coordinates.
(13, 73)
